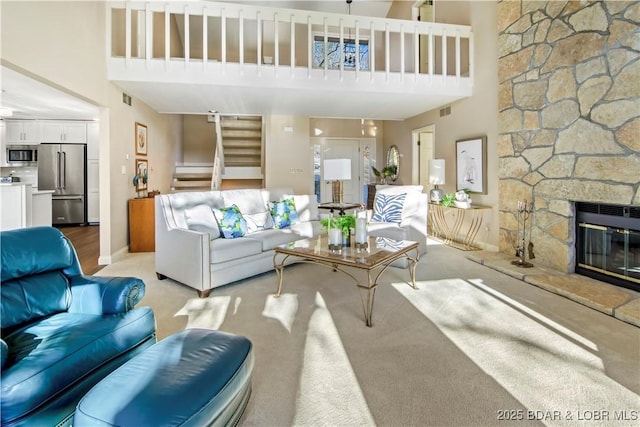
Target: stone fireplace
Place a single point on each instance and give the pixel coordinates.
(608, 243)
(569, 117)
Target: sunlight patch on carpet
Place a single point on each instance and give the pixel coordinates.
(543, 365)
(329, 393)
(207, 313)
(283, 309)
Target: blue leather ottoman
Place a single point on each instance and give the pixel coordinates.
(196, 377)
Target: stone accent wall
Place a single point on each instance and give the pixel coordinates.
(569, 116)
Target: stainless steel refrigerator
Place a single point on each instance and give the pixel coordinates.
(62, 168)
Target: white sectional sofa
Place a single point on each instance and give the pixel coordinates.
(190, 250)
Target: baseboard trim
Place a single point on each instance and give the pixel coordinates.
(487, 247)
(116, 256)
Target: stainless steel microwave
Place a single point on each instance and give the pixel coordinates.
(22, 155)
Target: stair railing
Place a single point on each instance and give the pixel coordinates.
(218, 157)
(396, 41)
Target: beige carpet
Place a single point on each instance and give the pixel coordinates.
(470, 347)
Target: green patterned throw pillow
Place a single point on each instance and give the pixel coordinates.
(230, 222)
(283, 213)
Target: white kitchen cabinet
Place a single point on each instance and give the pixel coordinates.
(67, 132)
(93, 140)
(21, 206)
(23, 132)
(42, 208)
(15, 209)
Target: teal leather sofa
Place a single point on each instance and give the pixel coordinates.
(62, 332)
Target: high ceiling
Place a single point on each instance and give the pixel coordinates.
(30, 98)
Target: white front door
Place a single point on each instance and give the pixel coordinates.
(342, 149)
(359, 150)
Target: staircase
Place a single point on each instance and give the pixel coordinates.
(242, 141)
(192, 177)
(238, 147)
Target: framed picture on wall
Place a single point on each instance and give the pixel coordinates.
(141, 139)
(142, 173)
(471, 165)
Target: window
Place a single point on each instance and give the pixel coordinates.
(334, 53)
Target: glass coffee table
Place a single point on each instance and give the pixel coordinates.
(375, 260)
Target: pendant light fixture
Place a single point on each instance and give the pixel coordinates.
(349, 45)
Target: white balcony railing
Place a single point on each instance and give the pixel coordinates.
(162, 40)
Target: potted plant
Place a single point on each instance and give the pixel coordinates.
(344, 222)
(448, 199)
(385, 173)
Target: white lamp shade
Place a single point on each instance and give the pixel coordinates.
(337, 169)
(436, 171)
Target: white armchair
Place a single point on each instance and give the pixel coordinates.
(400, 212)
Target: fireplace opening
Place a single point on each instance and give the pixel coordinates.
(608, 243)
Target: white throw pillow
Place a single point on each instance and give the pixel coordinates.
(200, 218)
(258, 221)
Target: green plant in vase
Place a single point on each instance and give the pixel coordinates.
(385, 174)
(345, 223)
(448, 199)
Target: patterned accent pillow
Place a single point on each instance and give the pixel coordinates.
(284, 213)
(293, 212)
(388, 207)
(230, 222)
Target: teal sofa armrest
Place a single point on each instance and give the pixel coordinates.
(4, 353)
(104, 295)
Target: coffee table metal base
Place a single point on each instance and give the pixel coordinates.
(367, 290)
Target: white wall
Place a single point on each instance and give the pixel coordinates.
(161, 139)
(288, 156)
(62, 42)
(199, 139)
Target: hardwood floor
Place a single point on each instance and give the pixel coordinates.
(86, 240)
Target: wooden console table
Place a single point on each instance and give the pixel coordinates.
(448, 232)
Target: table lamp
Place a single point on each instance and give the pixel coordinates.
(436, 177)
(337, 170)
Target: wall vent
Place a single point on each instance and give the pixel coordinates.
(445, 111)
(126, 99)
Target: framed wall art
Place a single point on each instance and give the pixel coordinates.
(142, 173)
(141, 139)
(471, 165)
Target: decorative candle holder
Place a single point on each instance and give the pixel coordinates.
(362, 239)
(335, 238)
(362, 247)
(524, 211)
